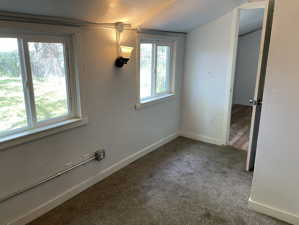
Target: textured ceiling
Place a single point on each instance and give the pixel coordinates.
(173, 15)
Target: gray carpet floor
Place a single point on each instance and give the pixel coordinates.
(182, 183)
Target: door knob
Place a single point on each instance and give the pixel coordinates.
(255, 102)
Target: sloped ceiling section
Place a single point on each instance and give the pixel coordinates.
(103, 11)
(251, 20)
(170, 15)
(184, 15)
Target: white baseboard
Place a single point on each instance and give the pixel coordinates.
(202, 138)
(58, 200)
(273, 212)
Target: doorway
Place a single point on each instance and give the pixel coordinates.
(249, 39)
(255, 14)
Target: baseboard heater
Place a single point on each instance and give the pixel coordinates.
(98, 156)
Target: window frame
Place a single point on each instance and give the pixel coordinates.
(157, 40)
(69, 89)
(74, 117)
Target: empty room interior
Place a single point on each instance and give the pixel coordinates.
(149, 112)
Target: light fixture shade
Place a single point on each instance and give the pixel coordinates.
(126, 51)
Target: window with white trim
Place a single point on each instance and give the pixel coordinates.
(37, 88)
(156, 69)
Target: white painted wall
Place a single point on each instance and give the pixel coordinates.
(109, 96)
(275, 185)
(246, 67)
(208, 64)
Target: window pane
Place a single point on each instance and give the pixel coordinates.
(12, 101)
(49, 79)
(163, 63)
(146, 50)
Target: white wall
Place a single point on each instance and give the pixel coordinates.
(208, 65)
(246, 67)
(275, 185)
(109, 96)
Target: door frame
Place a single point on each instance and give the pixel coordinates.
(232, 69)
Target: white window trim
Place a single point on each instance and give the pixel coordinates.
(162, 97)
(155, 100)
(59, 124)
(37, 133)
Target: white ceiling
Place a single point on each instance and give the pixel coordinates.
(171, 15)
(251, 20)
(185, 15)
(105, 11)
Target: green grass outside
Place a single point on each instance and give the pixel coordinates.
(50, 100)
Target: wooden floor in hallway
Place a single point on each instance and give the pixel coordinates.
(240, 126)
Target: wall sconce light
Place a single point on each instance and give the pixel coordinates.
(123, 52)
(124, 57)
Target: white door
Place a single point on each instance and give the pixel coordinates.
(260, 82)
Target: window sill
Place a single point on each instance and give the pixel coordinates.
(155, 100)
(30, 135)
